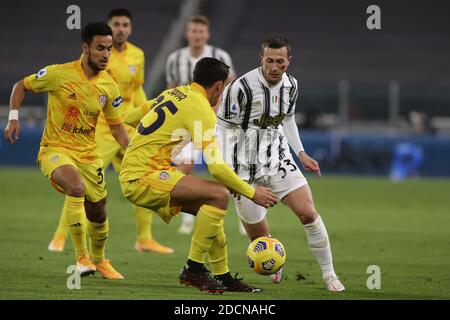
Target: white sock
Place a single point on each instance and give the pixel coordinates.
(187, 219)
(320, 246)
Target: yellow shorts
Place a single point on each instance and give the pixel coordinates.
(152, 191)
(111, 152)
(92, 173)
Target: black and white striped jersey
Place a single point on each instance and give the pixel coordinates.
(180, 64)
(250, 123)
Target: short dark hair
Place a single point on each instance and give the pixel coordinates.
(209, 70)
(276, 42)
(119, 12)
(95, 29)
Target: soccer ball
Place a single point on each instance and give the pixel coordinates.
(266, 255)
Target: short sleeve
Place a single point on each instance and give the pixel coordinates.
(233, 101)
(45, 79)
(225, 57)
(114, 112)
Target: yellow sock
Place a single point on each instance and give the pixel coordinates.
(75, 218)
(208, 225)
(218, 254)
(98, 233)
(63, 229)
(144, 218)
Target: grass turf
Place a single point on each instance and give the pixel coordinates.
(401, 227)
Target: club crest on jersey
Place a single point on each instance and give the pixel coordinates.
(41, 73)
(102, 100)
(117, 101)
(132, 68)
(163, 175)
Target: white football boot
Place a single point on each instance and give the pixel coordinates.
(277, 276)
(333, 283)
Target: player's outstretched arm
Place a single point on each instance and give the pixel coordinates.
(12, 130)
(119, 133)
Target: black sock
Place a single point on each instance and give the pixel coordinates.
(194, 265)
(226, 277)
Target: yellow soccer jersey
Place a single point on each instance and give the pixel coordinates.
(74, 105)
(176, 114)
(127, 69)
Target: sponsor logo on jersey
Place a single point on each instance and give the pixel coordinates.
(41, 73)
(72, 114)
(102, 100)
(163, 175)
(117, 101)
(267, 120)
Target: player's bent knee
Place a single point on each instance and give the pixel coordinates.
(220, 196)
(75, 190)
(308, 214)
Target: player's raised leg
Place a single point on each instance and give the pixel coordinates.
(69, 180)
(300, 201)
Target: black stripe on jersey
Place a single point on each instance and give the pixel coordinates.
(248, 105)
(177, 68)
(227, 111)
(252, 172)
(240, 96)
(281, 150)
(170, 69)
(269, 155)
(235, 158)
(292, 94)
(281, 100)
(189, 71)
(266, 102)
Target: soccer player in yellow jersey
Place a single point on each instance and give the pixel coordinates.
(78, 92)
(126, 66)
(149, 180)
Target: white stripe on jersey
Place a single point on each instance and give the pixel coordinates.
(180, 64)
(250, 120)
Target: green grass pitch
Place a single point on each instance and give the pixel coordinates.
(404, 228)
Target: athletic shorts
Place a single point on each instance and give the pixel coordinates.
(92, 173)
(283, 183)
(152, 191)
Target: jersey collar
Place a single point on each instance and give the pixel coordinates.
(81, 71)
(264, 81)
(199, 88)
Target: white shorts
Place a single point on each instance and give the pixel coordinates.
(188, 155)
(283, 183)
